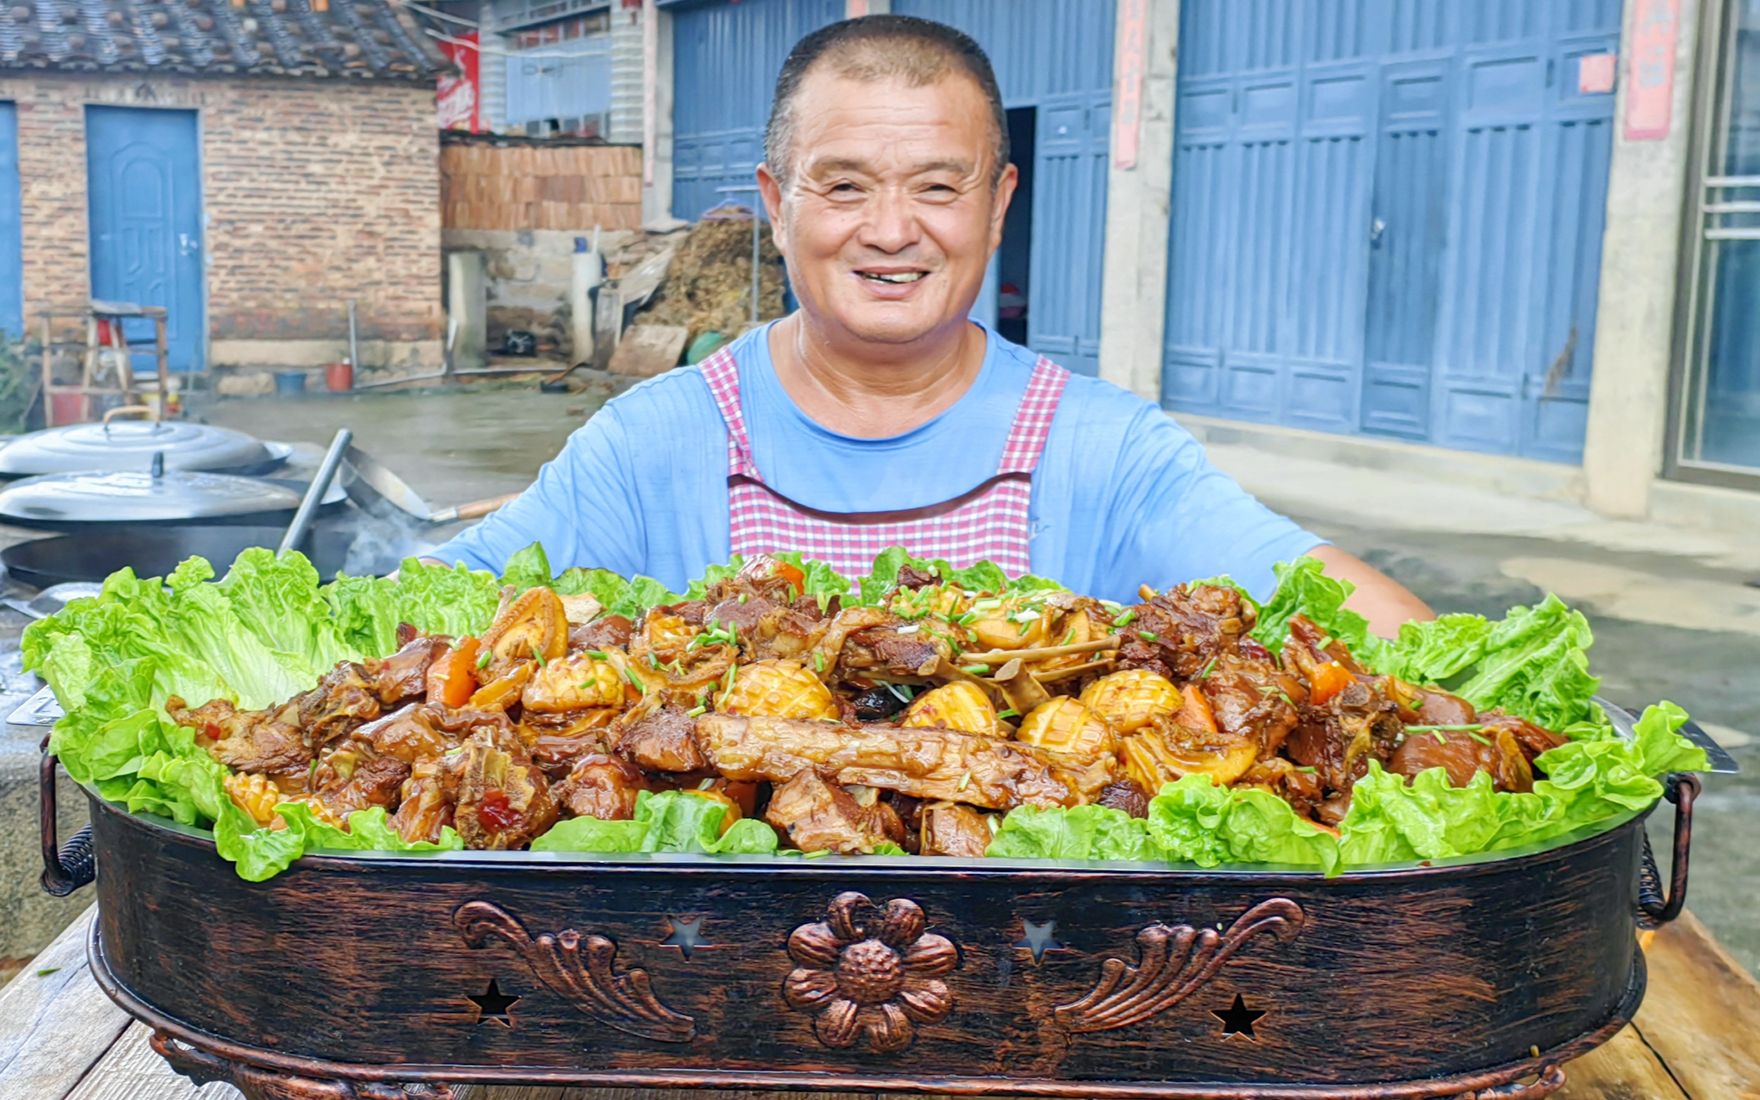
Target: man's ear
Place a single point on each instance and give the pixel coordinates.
(770, 189)
(1005, 187)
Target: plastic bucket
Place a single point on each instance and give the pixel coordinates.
(339, 377)
(290, 383)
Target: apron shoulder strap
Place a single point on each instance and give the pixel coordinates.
(721, 372)
(1032, 420)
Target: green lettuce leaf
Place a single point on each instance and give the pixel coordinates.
(1431, 652)
(1535, 663)
(1304, 588)
(670, 821)
(1077, 832)
(1197, 821)
(368, 830)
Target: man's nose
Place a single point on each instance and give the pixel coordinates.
(891, 224)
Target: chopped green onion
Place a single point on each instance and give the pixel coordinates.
(1025, 626)
(1208, 665)
(539, 654)
(1433, 729)
(727, 684)
(1148, 635)
(696, 710)
(819, 853)
(1479, 737)
(1009, 713)
(484, 659)
(1324, 641)
(901, 691)
(585, 684)
(635, 681)
(596, 654)
(1070, 637)
(1125, 620)
(818, 660)
(1284, 695)
(706, 784)
(1440, 739)
(653, 661)
(743, 596)
(964, 781)
(1308, 770)
(976, 670)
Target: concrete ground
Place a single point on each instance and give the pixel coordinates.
(1672, 616)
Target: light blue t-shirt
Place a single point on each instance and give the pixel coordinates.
(1122, 495)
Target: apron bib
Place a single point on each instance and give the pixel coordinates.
(989, 522)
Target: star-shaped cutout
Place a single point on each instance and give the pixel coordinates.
(492, 1004)
(685, 936)
(1238, 1019)
(1038, 939)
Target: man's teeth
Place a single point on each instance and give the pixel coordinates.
(898, 277)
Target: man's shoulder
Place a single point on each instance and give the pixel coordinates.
(681, 392)
(1094, 404)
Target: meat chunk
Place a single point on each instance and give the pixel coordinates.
(606, 632)
(950, 829)
(503, 798)
(884, 651)
(1463, 756)
(925, 763)
(430, 799)
(557, 741)
(1253, 700)
(601, 786)
(375, 781)
(267, 741)
(1179, 631)
(1532, 739)
(663, 739)
(1126, 795)
(343, 699)
(819, 816)
(1338, 740)
(404, 674)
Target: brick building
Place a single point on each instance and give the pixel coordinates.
(252, 164)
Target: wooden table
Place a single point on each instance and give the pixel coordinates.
(1697, 1037)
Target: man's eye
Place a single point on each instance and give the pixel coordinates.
(845, 188)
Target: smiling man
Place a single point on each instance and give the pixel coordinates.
(879, 413)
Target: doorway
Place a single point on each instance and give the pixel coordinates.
(143, 182)
(1014, 260)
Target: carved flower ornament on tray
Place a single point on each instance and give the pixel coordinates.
(864, 971)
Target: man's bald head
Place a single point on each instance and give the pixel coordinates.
(917, 52)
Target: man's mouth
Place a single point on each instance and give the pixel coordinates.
(894, 277)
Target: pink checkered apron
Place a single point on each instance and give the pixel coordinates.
(989, 522)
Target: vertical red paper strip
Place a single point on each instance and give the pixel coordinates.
(1127, 95)
(456, 101)
(1650, 77)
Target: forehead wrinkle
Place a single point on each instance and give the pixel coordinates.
(820, 166)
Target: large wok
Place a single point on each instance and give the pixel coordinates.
(155, 551)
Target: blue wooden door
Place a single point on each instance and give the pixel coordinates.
(1387, 217)
(144, 187)
(725, 60)
(11, 252)
(1069, 229)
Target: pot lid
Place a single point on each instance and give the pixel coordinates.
(130, 445)
(127, 496)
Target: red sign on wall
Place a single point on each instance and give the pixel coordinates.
(1132, 61)
(1650, 81)
(456, 98)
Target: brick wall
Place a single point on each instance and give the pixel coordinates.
(314, 192)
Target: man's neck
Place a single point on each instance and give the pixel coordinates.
(858, 395)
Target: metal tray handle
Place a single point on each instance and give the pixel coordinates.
(65, 868)
(1654, 909)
